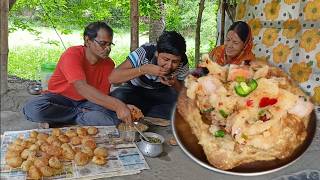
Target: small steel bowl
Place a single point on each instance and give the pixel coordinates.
(151, 149)
(34, 88)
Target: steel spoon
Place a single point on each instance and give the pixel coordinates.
(134, 125)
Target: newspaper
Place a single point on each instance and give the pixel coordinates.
(124, 158)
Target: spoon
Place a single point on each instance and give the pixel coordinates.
(134, 125)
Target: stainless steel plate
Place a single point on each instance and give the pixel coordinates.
(189, 144)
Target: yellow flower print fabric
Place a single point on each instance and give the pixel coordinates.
(287, 34)
(309, 40)
(281, 53)
(291, 28)
(272, 10)
(255, 25)
(290, 1)
(300, 72)
(312, 10)
(269, 36)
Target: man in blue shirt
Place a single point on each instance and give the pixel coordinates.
(154, 74)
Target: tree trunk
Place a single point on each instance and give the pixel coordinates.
(223, 20)
(134, 18)
(4, 6)
(11, 3)
(157, 25)
(198, 29)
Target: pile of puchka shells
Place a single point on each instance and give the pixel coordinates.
(42, 154)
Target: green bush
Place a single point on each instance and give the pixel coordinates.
(190, 54)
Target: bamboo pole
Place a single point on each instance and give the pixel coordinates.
(198, 29)
(134, 18)
(4, 6)
(157, 22)
(11, 3)
(223, 20)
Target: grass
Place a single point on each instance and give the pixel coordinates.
(27, 51)
(25, 61)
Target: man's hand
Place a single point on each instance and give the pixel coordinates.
(169, 81)
(136, 113)
(123, 112)
(154, 70)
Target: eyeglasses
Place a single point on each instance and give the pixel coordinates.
(104, 44)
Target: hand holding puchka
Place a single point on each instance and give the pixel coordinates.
(154, 70)
(168, 80)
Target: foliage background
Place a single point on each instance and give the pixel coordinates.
(36, 19)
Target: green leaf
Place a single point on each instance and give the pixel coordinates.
(219, 133)
(53, 42)
(310, 63)
(207, 110)
(223, 113)
(240, 79)
(245, 137)
(261, 112)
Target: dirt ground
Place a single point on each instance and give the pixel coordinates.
(11, 104)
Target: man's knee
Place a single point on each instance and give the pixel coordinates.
(32, 109)
(172, 95)
(97, 118)
(163, 111)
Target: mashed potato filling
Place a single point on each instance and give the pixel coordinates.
(254, 112)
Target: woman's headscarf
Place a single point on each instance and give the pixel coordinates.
(218, 53)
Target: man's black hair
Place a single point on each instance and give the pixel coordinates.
(173, 43)
(92, 29)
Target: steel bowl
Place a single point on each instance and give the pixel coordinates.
(189, 144)
(151, 149)
(34, 88)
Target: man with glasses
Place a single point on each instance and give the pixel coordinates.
(153, 74)
(78, 90)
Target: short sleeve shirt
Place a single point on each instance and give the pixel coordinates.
(146, 54)
(74, 66)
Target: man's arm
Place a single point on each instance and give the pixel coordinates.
(95, 96)
(125, 72)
